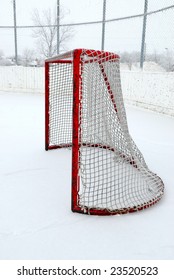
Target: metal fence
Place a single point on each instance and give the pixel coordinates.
(139, 30)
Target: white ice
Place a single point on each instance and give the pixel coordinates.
(35, 192)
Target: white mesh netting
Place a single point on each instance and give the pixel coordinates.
(113, 174)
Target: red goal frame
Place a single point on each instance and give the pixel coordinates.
(74, 58)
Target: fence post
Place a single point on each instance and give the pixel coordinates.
(143, 35)
(58, 24)
(103, 25)
(15, 32)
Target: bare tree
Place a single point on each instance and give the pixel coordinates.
(28, 56)
(46, 32)
(130, 58)
(1, 53)
(169, 60)
(165, 59)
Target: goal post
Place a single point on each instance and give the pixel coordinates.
(84, 109)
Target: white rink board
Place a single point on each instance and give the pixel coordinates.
(149, 90)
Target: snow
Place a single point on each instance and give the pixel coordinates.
(149, 66)
(150, 90)
(22, 79)
(35, 200)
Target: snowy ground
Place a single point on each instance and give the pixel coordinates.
(35, 217)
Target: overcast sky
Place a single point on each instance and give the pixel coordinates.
(120, 36)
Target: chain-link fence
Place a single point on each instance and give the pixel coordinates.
(137, 29)
(142, 32)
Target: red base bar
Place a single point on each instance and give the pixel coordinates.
(105, 212)
(69, 145)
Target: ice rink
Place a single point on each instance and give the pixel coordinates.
(36, 221)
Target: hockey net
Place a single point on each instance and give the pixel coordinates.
(85, 109)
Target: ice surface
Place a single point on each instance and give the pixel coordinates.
(35, 192)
